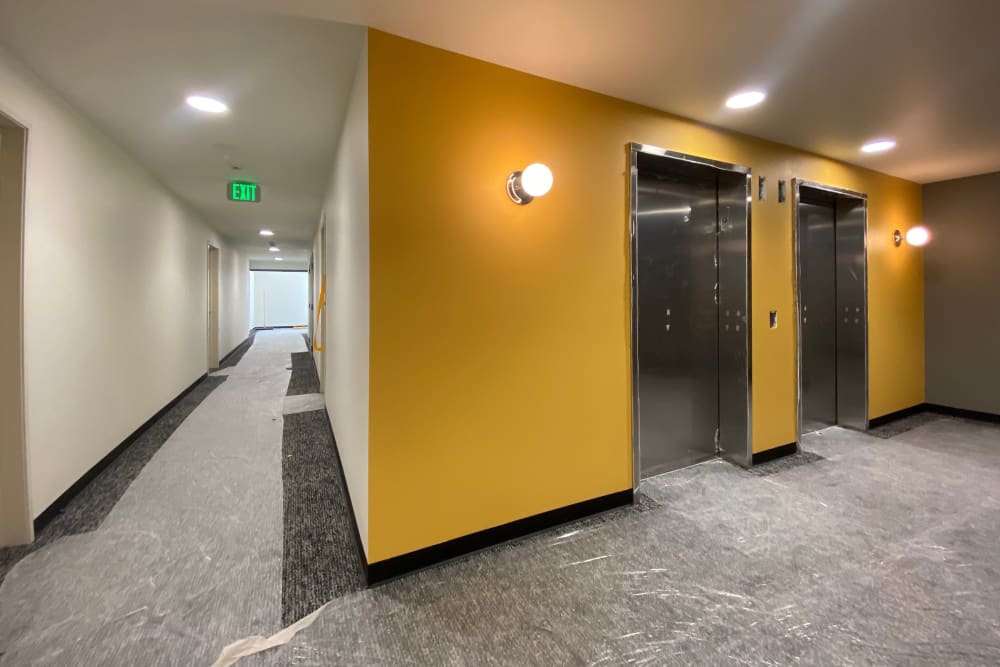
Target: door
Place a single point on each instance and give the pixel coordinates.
(831, 259)
(676, 327)
(15, 515)
(818, 309)
(852, 312)
(213, 307)
(312, 298)
(734, 317)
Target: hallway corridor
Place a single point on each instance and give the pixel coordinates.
(192, 553)
(454, 333)
(858, 550)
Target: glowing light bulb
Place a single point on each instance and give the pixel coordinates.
(918, 236)
(536, 179)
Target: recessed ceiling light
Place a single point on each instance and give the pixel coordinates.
(274, 248)
(279, 259)
(266, 232)
(208, 104)
(746, 99)
(878, 146)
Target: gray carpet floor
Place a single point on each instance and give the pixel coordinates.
(321, 557)
(903, 424)
(856, 551)
(88, 508)
(322, 560)
(863, 552)
(304, 379)
(233, 358)
(779, 465)
(190, 555)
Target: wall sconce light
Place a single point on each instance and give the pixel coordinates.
(915, 236)
(533, 181)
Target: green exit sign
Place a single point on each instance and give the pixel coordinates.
(243, 191)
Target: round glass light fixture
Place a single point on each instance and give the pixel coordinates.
(533, 181)
(266, 232)
(206, 104)
(878, 146)
(536, 179)
(918, 236)
(746, 99)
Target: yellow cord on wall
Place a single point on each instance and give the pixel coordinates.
(319, 310)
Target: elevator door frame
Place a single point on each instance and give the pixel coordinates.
(744, 456)
(797, 185)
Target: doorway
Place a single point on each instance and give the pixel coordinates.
(312, 300)
(280, 298)
(832, 307)
(15, 513)
(690, 311)
(213, 307)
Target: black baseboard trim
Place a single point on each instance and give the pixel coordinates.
(898, 414)
(233, 351)
(460, 546)
(281, 270)
(284, 326)
(963, 413)
(59, 503)
(362, 556)
(936, 408)
(774, 453)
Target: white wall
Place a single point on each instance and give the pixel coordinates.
(115, 290)
(346, 315)
(15, 518)
(280, 298)
(234, 294)
(288, 264)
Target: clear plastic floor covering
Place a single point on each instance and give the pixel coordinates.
(860, 551)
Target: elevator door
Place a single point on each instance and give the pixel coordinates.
(677, 318)
(818, 310)
(833, 308)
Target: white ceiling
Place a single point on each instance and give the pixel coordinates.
(838, 72)
(127, 65)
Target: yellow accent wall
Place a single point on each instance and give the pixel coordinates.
(500, 380)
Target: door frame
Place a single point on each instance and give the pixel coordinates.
(16, 525)
(797, 185)
(634, 148)
(312, 299)
(212, 312)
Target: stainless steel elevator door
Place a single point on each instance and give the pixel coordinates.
(852, 313)
(676, 315)
(818, 310)
(734, 318)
